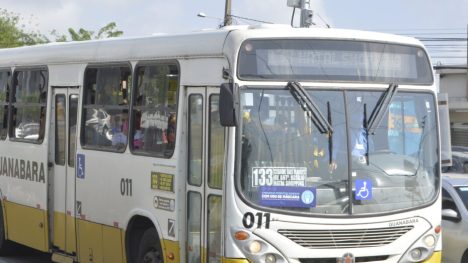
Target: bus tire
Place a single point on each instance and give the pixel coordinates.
(6, 246)
(465, 257)
(150, 248)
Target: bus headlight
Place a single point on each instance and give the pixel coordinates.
(422, 249)
(270, 258)
(255, 247)
(429, 241)
(416, 254)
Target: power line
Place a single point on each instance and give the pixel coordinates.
(251, 19)
(323, 20)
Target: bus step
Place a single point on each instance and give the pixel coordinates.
(62, 258)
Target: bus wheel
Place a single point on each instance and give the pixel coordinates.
(465, 257)
(150, 250)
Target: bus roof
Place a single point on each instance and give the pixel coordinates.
(209, 43)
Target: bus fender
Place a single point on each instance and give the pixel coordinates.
(143, 214)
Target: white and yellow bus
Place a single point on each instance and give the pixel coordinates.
(243, 144)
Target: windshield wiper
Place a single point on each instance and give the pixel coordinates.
(381, 108)
(330, 135)
(377, 115)
(309, 106)
(324, 125)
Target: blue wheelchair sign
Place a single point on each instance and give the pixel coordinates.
(363, 190)
(80, 166)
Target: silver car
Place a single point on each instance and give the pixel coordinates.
(455, 218)
(459, 160)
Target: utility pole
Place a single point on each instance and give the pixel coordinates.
(227, 14)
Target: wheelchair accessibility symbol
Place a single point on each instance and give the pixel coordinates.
(80, 166)
(363, 190)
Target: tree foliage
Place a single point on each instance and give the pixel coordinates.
(13, 34)
(109, 30)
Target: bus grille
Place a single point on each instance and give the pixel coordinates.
(352, 238)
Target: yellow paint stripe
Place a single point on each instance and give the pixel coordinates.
(64, 232)
(435, 258)
(100, 243)
(171, 248)
(71, 234)
(89, 241)
(59, 230)
(112, 244)
(235, 260)
(27, 225)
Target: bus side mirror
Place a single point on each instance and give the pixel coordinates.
(227, 105)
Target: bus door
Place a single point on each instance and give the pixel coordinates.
(63, 132)
(205, 153)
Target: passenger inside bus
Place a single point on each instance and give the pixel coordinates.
(120, 130)
(171, 131)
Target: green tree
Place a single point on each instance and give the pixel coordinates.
(109, 30)
(12, 33)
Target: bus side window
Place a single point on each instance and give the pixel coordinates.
(4, 93)
(105, 107)
(155, 109)
(216, 137)
(28, 105)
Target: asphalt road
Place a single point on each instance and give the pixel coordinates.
(26, 255)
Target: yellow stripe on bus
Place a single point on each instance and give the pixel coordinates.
(99, 243)
(65, 241)
(435, 258)
(171, 248)
(27, 225)
(71, 234)
(235, 260)
(59, 227)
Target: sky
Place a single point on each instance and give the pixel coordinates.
(421, 18)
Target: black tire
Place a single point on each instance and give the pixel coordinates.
(6, 246)
(465, 257)
(150, 248)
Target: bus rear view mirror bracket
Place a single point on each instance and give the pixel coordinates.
(228, 105)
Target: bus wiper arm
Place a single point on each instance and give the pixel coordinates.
(309, 106)
(381, 108)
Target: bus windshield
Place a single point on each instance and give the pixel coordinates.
(287, 163)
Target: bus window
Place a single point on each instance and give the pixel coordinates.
(214, 228)
(4, 88)
(216, 131)
(106, 107)
(29, 103)
(194, 208)
(195, 149)
(73, 105)
(60, 129)
(154, 111)
(404, 127)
